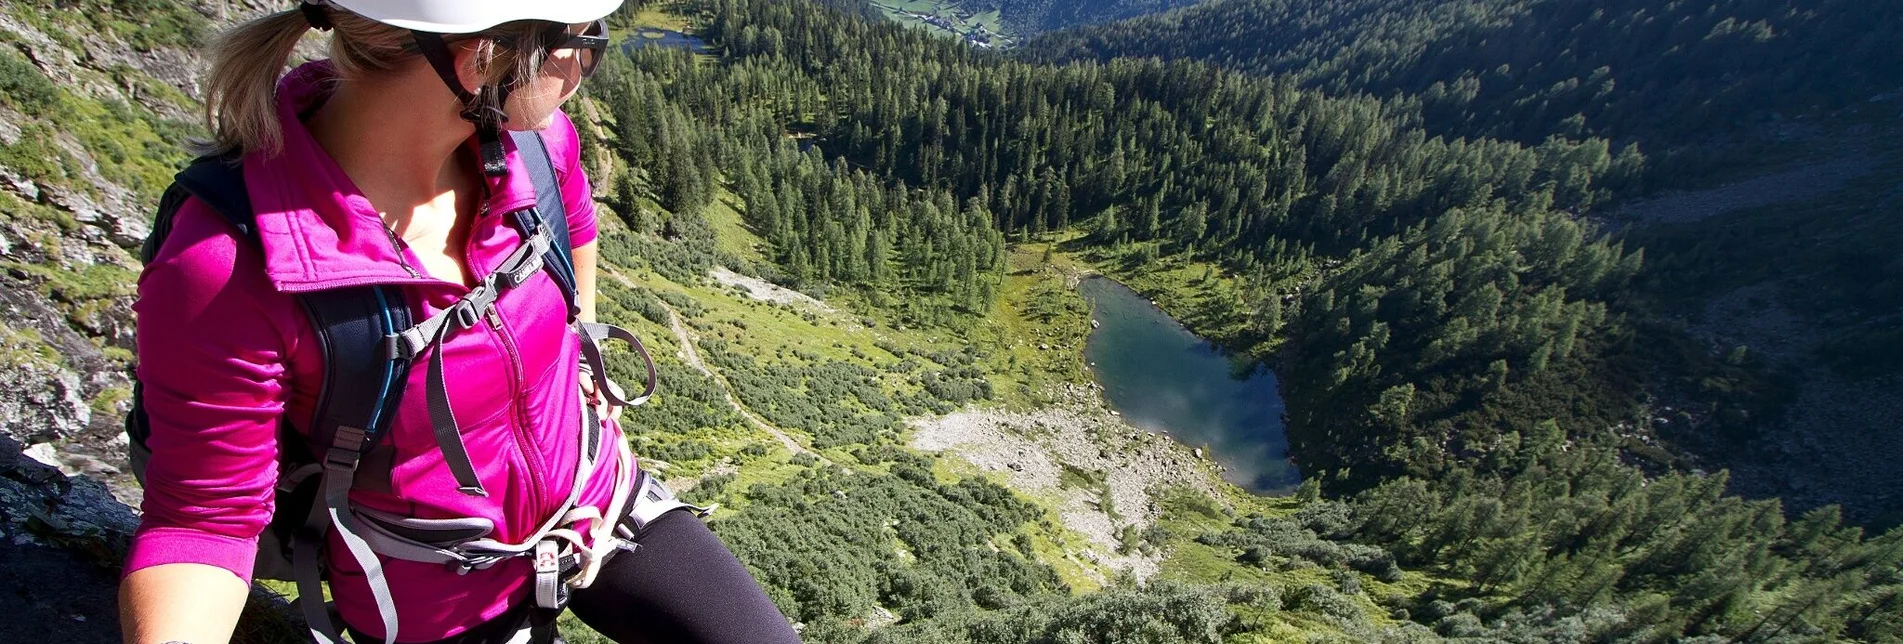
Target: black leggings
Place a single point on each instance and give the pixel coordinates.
(680, 585)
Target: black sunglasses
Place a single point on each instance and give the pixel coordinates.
(589, 44)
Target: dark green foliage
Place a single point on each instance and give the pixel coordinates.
(23, 87)
(678, 452)
(1159, 614)
(687, 401)
(672, 157)
(1274, 542)
(1670, 74)
(1416, 331)
(837, 403)
(1573, 528)
(1442, 313)
(686, 129)
(831, 544)
(840, 225)
(1225, 160)
(1032, 16)
(684, 252)
(957, 386)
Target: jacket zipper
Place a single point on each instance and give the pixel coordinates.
(520, 417)
(397, 245)
(524, 443)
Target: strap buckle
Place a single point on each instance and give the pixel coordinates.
(465, 315)
(551, 591)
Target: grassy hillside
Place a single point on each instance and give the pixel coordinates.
(809, 230)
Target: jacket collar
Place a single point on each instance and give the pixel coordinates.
(317, 229)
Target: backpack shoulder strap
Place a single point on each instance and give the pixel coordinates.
(361, 384)
(218, 181)
(363, 379)
(549, 211)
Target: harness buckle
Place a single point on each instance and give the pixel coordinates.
(465, 315)
(551, 590)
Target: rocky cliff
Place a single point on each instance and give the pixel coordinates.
(96, 99)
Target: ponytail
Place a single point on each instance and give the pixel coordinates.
(241, 90)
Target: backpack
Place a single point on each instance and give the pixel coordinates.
(368, 330)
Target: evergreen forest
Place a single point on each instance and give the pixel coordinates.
(1514, 417)
(1468, 356)
(1673, 76)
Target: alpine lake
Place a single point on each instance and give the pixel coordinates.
(1161, 377)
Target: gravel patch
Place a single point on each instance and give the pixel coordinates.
(765, 291)
(1030, 450)
(1791, 186)
(1839, 441)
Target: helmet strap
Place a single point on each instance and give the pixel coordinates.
(484, 109)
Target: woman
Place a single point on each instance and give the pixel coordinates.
(384, 165)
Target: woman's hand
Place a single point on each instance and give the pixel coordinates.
(604, 409)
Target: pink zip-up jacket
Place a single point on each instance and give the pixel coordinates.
(225, 351)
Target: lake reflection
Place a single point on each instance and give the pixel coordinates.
(1164, 378)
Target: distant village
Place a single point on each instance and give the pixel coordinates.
(977, 36)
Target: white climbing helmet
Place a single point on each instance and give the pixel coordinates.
(470, 16)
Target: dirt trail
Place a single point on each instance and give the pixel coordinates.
(690, 353)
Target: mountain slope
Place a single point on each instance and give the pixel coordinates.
(1666, 75)
(1444, 313)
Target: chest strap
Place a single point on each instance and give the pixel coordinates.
(475, 307)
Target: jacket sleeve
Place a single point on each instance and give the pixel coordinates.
(564, 149)
(212, 361)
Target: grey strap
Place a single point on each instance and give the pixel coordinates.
(411, 539)
(515, 270)
(477, 305)
(306, 560)
(464, 544)
(591, 335)
(340, 469)
(449, 436)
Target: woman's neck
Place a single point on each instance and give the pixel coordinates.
(404, 158)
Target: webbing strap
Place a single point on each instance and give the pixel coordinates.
(550, 213)
(563, 557)
(340, 469)
(481, 552)
(477, 305)
(306, 560)
(442, 417)
(515, 270)
(592, 334)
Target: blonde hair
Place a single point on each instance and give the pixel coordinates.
(241, 90)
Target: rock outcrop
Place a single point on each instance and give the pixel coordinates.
(64, 539)
(68, 261)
